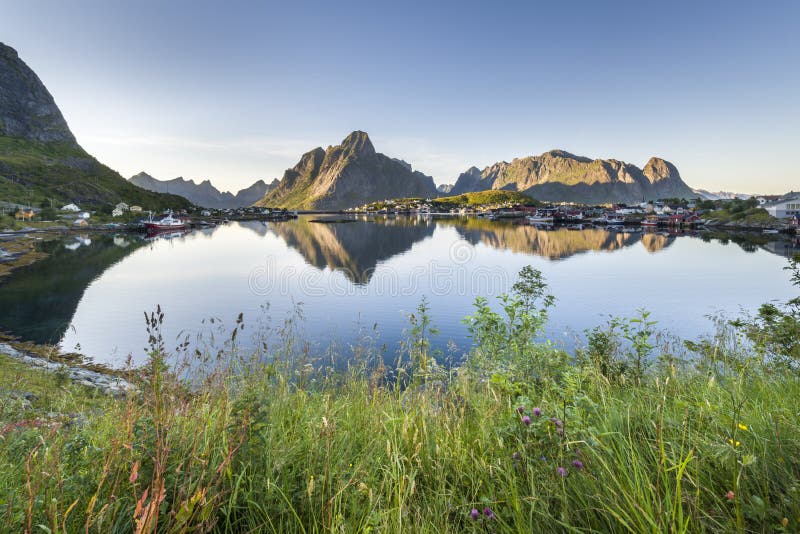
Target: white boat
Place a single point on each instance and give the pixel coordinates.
(612, 218)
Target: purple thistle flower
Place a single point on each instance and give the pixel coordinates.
(560, 431)
(474, 514)
(521, 410)
(488, 512)
(526, 419)
(557, 422)
(537, 412)
(562, 471)
(578, 465)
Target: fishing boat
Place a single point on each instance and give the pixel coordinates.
(650, 222)
(542, 216)
(168, 222)
(612, 218)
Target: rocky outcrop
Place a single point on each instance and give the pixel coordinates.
(347, 175)
(204, 194)
(560, 176)
(27, 108)
(107, 383)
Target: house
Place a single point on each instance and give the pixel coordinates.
(136, 209)
(84, 215)
(785, 207)
(206, 213)
(122, 207)
(71, 207)
(24, 215)
(117, 212)
(80, 222)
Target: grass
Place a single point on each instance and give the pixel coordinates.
(530, 438)
(484, 198)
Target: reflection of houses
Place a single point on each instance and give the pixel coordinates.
(788, 206)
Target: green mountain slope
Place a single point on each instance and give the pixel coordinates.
(40, 160)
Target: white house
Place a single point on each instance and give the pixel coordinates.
(122, 206)
(71, 207)
(117, 212)
(84, 215)
(785, 207)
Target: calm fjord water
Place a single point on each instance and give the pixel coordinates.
(89, 295)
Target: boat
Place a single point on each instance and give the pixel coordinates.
(612, 218)
(168, 222)
(770, 231)
(542, 216)
(650, 222)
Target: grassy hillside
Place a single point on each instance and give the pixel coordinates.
(483, 198)
(745, 212)
(38, 174)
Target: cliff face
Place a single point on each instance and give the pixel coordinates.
(561, 176)
(27, 108)
(345, 176)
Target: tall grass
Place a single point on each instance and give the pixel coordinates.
(521, 438)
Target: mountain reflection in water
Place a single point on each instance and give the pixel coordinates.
(90, 292)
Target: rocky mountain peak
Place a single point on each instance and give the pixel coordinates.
(359, 144)
(658, 169)
(27, 108)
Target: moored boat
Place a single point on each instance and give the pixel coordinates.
(168, 222)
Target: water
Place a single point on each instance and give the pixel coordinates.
(367, 275)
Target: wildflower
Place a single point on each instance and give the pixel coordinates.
(488, 512)
(742, 426)
(730, 495)
(557, 422)
(527, 420)
(543, 459)
(734, 443)
(474, 514)
(577, 464)
(516, 456)
(562, 471)
(785, 522)
(521, 410)
(560, 431)
(537, 412)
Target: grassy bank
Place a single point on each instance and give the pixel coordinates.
(621, 436)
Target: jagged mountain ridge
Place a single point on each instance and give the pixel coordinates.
(347, 175)
(204, 193)
(40, 159)
(560, 176)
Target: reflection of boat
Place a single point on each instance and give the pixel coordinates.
(769, 231)
(168, 222)
(164, 234)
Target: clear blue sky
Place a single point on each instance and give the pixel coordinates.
(236, 91)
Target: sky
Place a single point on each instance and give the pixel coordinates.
(237, 91)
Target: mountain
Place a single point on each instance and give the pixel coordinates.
(40, 159)
(347, 175)
(560, 176)
(719, 195)
(204, 194)
(444, 189)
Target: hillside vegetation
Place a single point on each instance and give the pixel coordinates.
(59, 173)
